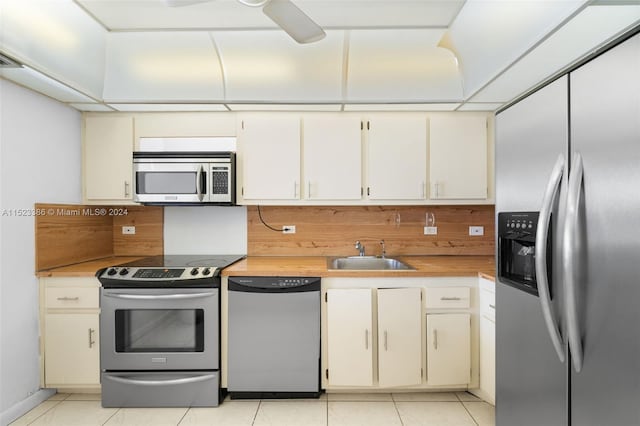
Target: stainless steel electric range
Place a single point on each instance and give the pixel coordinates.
(160, 331)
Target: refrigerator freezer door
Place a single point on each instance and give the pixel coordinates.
(605, 129)
(531, 382)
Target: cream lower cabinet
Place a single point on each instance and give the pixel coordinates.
(350, 337)
(350, 320)
(448, 349)
(72, 356)
(487, 341)
(69, 321)
(399, 337)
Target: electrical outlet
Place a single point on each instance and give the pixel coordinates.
(430, 230)
(476, 231)
(129, 230)
(289, 229)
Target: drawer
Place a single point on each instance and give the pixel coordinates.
(448, 297)
(72, 297)
(488, 304)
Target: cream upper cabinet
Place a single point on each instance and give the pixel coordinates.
(269, 157)
(184, 124)
(332, 157)
(458, 157)
(399, 337)
(350, 337)
(448, 349)
(397, 157)
(108, 156)
(72, 356)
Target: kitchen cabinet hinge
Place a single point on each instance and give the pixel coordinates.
(361, 191)
(242, 191)
(326, 373)
(422, 372)
(242, 124)
(368, 125)
(368, 191)
(421, 295)
(325, 297)
(361, 125)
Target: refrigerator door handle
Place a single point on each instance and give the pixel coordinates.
(569, 257)
(541, 255)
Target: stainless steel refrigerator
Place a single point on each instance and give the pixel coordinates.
(568, 353)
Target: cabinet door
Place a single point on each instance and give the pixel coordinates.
(399, 337)
(448, 349)
(488, 358)
(108, 158)
(332, 158)
(349, 331)
(458, 157)
(270, 155)
(72, 355)
(397, 160)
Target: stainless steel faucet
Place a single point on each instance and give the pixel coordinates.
(384, 252)
(360, 247)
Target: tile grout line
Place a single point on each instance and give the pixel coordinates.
(183, 416)
(468, 412)
(397, 411)
(111, 416)
(46, 411)
(255, 416)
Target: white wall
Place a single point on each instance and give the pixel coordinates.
(40, 161)
(205, 230)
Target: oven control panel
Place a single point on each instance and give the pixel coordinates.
(128, 276)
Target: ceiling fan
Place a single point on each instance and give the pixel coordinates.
(283, 12)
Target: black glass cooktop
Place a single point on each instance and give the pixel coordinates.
(186, 260)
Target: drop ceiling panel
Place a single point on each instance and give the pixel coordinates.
(168, 107)
(400, 107)
(401, 66)
(162, 67)
(592, 27)
(230, 14)
(488, 36)
(268, 66)
(284, 107)
(41, 83)
(57, 38)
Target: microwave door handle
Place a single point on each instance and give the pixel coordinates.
(569, 254)
(199, 185)
(541, 255)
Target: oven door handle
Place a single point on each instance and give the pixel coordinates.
(544, 218)
(158, 296)
(183, 381)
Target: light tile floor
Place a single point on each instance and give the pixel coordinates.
(366, 409)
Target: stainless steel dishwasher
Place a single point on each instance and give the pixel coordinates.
(274, 337)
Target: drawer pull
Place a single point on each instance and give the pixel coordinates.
(91, 341)
(366, 339)
(493, 307)
(435, 339)
(450, 298)
(386, 346)
(68, 299)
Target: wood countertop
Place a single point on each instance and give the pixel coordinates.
(425, 266)
(86, 269)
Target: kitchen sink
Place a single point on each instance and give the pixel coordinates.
(366, 263)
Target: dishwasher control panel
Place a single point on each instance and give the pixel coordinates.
(275, 284)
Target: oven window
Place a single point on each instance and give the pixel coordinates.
(166, 182)
(159, 330)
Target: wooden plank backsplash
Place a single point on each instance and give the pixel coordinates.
(333, 230)
(71, 233)
(148, 239)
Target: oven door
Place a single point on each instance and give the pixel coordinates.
(159, 329)
(182, 181)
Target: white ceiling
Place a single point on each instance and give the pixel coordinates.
(141, 55)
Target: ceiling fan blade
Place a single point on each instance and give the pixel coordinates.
(294, 21)
(178, 3)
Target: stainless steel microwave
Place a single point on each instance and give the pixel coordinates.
(186, 178)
